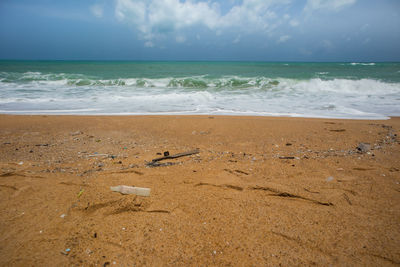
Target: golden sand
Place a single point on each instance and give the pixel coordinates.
(260, 192)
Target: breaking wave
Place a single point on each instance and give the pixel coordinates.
(362, 64)
(38, 93)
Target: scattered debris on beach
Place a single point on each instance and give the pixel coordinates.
(155, 162)
(363, 147)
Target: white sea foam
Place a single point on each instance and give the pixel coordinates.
(362, 64)
(48, 111)
(37, 93)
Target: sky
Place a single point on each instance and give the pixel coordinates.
(229, 30)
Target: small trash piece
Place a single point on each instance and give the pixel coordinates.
(99, 155)
(166, 153)
(76, 133)
(66, 252)
(42, 145)
(63, 215)
(329, 179)
(126, 190)
(80, 193)
(363, 147)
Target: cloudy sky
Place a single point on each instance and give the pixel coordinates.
(264, 30)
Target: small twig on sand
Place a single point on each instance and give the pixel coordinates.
(286, 157)
(154, 163)
(188, 153)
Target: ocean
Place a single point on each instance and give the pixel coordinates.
(317, 90)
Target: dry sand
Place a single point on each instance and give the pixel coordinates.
(236, 203)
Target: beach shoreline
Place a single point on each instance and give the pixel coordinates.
(261, 190)
(177, 88)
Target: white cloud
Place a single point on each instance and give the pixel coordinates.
(133, 11)
(294, 23)
(252, 15)
(149, 44)
(237, 39)
(283, 38)
(327, 4)
(156, 18)
(97, 10)
(180, 39)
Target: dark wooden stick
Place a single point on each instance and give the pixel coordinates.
(188, 153)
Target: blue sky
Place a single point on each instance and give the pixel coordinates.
(265, 30)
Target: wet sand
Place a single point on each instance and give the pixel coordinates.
(260, 192)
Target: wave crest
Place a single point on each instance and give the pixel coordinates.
(33, 92)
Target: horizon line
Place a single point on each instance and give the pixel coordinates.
(183, 61)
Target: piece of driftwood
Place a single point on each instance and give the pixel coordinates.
(154, 162)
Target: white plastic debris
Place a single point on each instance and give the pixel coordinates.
(126, 190)
(329, 179)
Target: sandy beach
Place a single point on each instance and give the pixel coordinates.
(262, 191)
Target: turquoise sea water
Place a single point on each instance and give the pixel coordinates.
(330, 90)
